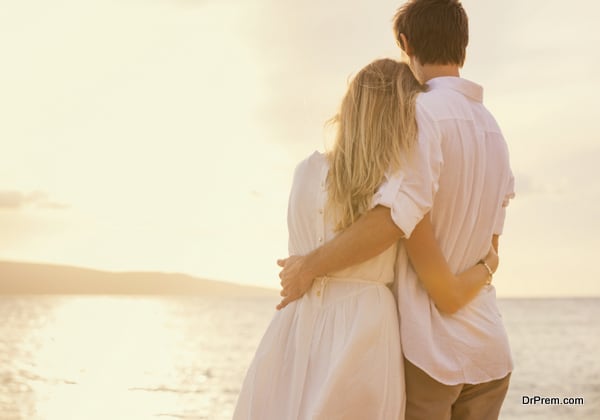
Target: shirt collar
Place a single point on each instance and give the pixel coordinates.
(464, 86)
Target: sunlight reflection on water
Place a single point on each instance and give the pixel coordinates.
(125, 357)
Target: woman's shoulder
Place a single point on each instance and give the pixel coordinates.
(312, 164)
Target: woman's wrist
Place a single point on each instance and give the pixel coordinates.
(488, 269)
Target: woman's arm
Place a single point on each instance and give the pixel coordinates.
(448, 292)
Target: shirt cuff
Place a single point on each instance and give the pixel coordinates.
(405, 212)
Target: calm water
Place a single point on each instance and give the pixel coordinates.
(89, 358)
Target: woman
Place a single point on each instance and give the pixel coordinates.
(335, 353)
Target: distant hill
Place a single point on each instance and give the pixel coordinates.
(29, 278)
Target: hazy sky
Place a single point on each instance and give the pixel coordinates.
(163, 134)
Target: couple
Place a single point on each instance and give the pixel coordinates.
(414, 190)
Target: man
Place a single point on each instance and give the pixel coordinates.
(457, 365)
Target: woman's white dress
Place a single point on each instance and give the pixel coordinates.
(335, 353)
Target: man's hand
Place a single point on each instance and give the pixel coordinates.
(295, 279)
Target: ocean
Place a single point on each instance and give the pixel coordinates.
(134, 358)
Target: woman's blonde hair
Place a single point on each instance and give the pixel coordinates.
(376, 128)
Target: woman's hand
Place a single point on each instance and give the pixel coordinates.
(295, 279)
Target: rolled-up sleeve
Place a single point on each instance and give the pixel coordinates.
(409, 192)
(508, 195)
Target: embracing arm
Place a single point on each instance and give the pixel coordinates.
(448, 292)
(372, 234)
(401, 201)
(369, 236)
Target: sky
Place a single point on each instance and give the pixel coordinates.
(163, 134)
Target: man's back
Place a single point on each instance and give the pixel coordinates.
(475, 179)
(462, 151)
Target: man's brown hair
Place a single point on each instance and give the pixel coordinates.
(437, 30)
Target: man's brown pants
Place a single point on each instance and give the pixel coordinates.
(428, 399)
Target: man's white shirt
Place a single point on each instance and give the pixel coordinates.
(459, 170)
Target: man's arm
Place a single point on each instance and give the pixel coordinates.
(400, 203)
(368, 237)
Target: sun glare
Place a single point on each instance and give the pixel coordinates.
(91, 348)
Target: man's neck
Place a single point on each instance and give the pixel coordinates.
(427, 72)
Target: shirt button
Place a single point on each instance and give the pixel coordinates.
(320, 211)
(320, 239)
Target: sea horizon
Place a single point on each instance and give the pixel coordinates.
(140, 282)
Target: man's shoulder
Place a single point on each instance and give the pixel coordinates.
(437, 102)
(448, 104)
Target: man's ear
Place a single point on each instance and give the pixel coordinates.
(405, 45)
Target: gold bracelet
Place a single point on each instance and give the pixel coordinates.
(489, 269)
